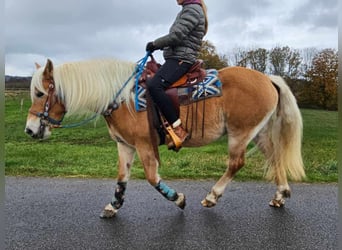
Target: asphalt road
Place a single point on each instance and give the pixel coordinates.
(54, 213)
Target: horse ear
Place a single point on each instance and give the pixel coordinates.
(37, 65)
(48, 71)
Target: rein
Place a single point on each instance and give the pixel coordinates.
(45, 119)
(139, 70)
(137, 73)
(77, 124)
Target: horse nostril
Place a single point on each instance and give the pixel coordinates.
(29, 132)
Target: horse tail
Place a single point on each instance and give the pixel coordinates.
(286, 137)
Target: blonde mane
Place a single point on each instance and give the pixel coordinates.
(89, 86)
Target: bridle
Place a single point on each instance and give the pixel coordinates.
(45, 119)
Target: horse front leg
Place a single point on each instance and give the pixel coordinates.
(126, 157)
(151, 164)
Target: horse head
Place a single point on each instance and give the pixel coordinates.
(47, 109)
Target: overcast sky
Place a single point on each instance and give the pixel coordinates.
(71, 30)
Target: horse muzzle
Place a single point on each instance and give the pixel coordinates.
(38, 129)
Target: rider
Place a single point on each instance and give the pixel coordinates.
(181, 47)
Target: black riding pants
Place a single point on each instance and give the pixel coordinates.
(171, 71)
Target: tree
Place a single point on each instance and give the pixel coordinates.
(210, 57)
(257, 59)
(277, 60)
(323, 77)
(285, 62)
(238, 57)
(307, 55)
(294, 61)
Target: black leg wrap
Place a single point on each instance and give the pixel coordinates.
(119, 195)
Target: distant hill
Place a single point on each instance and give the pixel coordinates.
(17, 82)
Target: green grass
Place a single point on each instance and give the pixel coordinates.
(88, 151)
(320, 144)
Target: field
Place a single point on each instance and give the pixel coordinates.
(88, 151)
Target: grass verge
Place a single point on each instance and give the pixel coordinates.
(88, 151)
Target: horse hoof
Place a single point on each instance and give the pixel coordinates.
(108, 212)
(208, 203)
(180, 202)
(277, 203)
(210, 200)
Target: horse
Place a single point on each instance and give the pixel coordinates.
(253, 107)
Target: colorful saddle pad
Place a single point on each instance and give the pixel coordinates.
(209, 87)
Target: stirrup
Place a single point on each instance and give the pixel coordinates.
(170, 144)
(175, 142)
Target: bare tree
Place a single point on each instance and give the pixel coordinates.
(307, 55)
(285, 62)
(293, 61)
(277, 61)
(238, 57)
(257, 59)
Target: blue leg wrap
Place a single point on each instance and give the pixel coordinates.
(119, 195)
(166, 191)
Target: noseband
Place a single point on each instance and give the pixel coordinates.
(45, 119)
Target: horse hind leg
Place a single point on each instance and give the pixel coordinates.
(126, 157)
(283, 188)
(275, 172)
(237, 150)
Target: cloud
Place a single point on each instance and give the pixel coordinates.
(69, 30)
(316, 13)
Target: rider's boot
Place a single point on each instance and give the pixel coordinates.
(178, 136)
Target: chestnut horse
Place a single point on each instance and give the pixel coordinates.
(253, 106)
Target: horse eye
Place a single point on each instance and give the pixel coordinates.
(39, 94)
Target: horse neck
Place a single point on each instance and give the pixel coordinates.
(88, 87)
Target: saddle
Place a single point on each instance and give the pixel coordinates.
(195, 75)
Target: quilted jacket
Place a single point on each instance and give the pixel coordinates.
(185, 36)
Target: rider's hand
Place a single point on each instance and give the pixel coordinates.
(150, 47)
